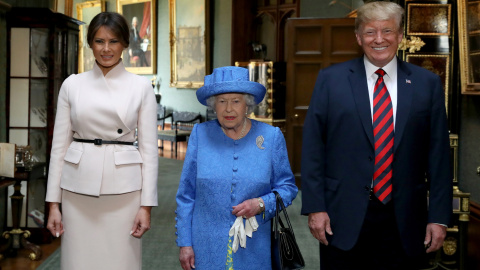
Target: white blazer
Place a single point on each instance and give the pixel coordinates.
(94, 106)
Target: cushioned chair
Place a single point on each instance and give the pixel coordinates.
(182, 125)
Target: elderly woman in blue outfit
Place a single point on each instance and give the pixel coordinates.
(233, 165)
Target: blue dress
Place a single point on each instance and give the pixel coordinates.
(219, 173)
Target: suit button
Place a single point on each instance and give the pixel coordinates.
(119, 131)
(367, 188)
(370, 158)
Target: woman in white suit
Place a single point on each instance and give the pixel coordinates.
(106, 186)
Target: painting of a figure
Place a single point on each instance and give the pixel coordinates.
(140, 56)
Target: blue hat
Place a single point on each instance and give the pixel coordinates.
(229, 80)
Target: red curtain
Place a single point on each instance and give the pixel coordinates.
(145, 21)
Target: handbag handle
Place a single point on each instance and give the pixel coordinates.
(281, 207)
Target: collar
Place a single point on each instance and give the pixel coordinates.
(390, 68)
(117, 70)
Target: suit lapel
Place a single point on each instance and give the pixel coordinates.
(358, 84)
(404, 101)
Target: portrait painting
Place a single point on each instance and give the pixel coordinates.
(140, 56)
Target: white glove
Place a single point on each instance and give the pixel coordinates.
(239, 232)
(251, 225)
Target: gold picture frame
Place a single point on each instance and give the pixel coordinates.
(436, 63)
(189, 43)
(429, 19)
(85, 13)
(64, 7)
(141, 56)
(469, 45)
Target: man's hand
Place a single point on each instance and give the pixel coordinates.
(434, 237)
(319, 223)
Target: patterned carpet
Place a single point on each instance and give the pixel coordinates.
(159, 248)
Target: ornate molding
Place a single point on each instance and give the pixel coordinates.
(412, 45)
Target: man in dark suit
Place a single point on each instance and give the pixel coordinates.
(375, 129)
(136, 40)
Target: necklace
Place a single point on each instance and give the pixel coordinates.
(242, 132)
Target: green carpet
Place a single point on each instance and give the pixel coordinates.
(159, 248)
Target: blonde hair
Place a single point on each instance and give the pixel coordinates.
(379, 11)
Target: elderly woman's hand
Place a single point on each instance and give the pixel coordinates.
(187, 258)
(248, 208)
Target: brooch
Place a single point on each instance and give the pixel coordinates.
(260, 141)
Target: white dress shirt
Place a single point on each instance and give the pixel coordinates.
(390, 80)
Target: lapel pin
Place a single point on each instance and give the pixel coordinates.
(408, 81)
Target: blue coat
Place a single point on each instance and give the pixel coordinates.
(219, 173)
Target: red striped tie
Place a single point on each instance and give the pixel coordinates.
(383, 138)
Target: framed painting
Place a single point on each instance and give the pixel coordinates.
(436, 63)
(64, 7)
(85, 12)
(189, 43)
(429, 19)
(141, 56)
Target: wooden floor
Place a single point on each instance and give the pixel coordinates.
(22, 262)
(166, 152)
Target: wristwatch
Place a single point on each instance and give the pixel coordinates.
(260, 203)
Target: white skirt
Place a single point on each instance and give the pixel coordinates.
(97, 232)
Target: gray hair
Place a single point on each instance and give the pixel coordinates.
(249, 100)
(379, 11)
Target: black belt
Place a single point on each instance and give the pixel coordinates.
(100, 142)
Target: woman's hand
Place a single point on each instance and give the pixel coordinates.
(248, 208)
(187, 258)
(142, 222)
(54, 224)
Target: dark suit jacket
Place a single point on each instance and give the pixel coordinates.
(135, 41)
(338, 153)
